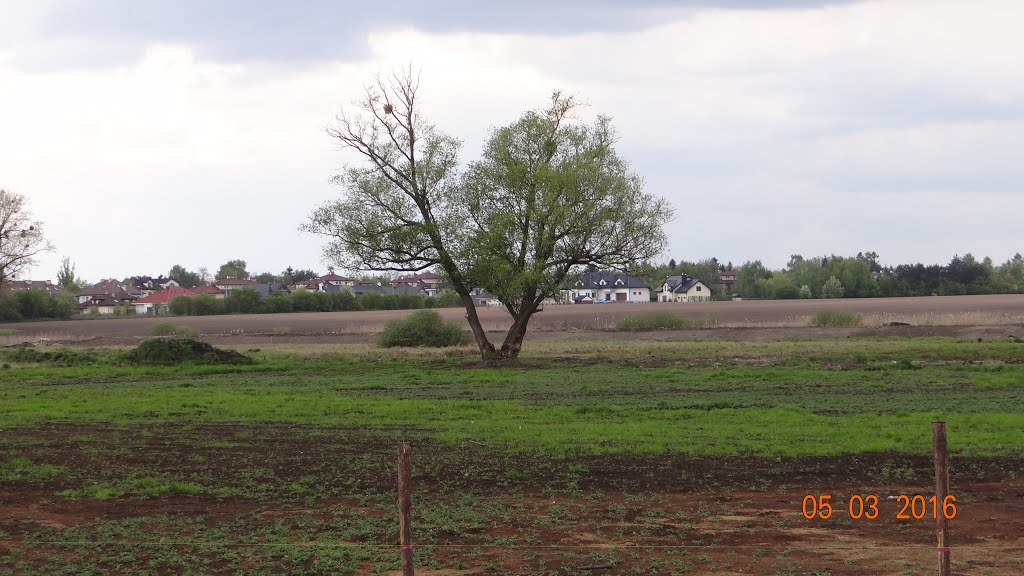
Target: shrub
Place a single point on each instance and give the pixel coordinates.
(304, 301)
(181, 306)
(423, 328)
(207, 305)
(182, 351)
(445, 299)
(343, 301)
(371, 301)
(787, 292)
(835, 319)
(277, 302)
(654, 321)
(244, 300)
(168, 329)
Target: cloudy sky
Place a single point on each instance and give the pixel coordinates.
(151, 133)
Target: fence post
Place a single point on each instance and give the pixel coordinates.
(941, 456)
(405, 506)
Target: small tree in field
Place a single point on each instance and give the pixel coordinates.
(549, 197)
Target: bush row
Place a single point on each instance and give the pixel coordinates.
(34, 304)
(246, 301)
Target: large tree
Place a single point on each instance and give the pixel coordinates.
(549, 196)
(21, 237)
(185, 277)
(233, 269)
(66, 277)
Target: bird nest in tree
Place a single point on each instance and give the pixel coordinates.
(388, 109)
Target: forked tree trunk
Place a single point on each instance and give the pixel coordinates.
(516, 334)
(487, 351)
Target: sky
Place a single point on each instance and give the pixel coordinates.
(149, 133)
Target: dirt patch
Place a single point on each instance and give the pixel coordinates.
(294, 497)
(938, 310)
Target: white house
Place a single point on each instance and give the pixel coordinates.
(229, 284)
(608, 287)
(683, 289)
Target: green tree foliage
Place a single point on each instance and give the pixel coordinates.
(233, 269)
(185, 277)
(66, 277)
(35, 305)
(548, 197)
(208, 305)
(243, 301)
(752, 280)
(304, 301)
(805, 292)
(181, 306)
(832, 288)
(21, 236)
(277, 302)
(290, 276)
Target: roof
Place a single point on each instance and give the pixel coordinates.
(681, 283)
(108, 287)
(421, 277)
(210, 289)
(46, 285)
(234, 282)
(265, 290)
(610, 279)
(103, 300)
(147, 281)
(166, 295)
(333, 278)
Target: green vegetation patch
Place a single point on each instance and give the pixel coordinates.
(835, 319)
(655, 321)
(423, 328)
(168, 329)
(182, 351)
(23, 469)
(58, 357)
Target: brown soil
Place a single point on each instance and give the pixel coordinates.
(354, 326)
(657, 514)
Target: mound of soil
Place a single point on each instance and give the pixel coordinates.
(183, 351)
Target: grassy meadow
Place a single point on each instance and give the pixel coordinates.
(248, 465)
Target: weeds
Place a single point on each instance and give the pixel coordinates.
(835, 319)
(168, 329)
(654, 321)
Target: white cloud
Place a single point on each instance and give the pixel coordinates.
(773, 132)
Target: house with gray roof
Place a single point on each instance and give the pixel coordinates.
(604, 287)
(682, 288)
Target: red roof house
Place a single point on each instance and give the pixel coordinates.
(163, 297)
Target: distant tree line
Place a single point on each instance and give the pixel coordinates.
(19, 305)
(861, 276)
(248, 301)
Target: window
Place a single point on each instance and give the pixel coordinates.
(698, 288)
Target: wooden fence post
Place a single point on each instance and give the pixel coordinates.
(941, 456)
(405, 506)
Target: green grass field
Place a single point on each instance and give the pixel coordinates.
(794, 399)
(203, 454)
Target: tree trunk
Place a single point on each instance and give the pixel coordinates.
(486, 348)
(517, 333)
